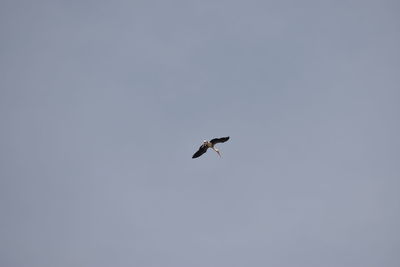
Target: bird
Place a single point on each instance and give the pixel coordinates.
(209, 144)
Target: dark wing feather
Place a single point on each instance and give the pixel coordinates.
(219, 140)
(201, 151)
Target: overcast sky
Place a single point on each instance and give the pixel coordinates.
(103, 103)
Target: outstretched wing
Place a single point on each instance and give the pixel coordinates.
(201, 151)
(219, 140)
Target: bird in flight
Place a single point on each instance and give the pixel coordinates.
(209, 144)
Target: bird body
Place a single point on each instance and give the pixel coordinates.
(210, 144)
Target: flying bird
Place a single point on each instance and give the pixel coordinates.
(209, 144)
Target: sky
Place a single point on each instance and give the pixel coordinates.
(103, 103)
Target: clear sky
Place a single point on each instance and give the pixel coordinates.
(103, 103)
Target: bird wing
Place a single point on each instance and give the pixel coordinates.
(201, 151)
(219, 140)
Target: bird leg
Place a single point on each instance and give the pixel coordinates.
(216, 150)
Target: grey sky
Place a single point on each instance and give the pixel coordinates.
(102, 104)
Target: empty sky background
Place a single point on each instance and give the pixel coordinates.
(103, 103)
